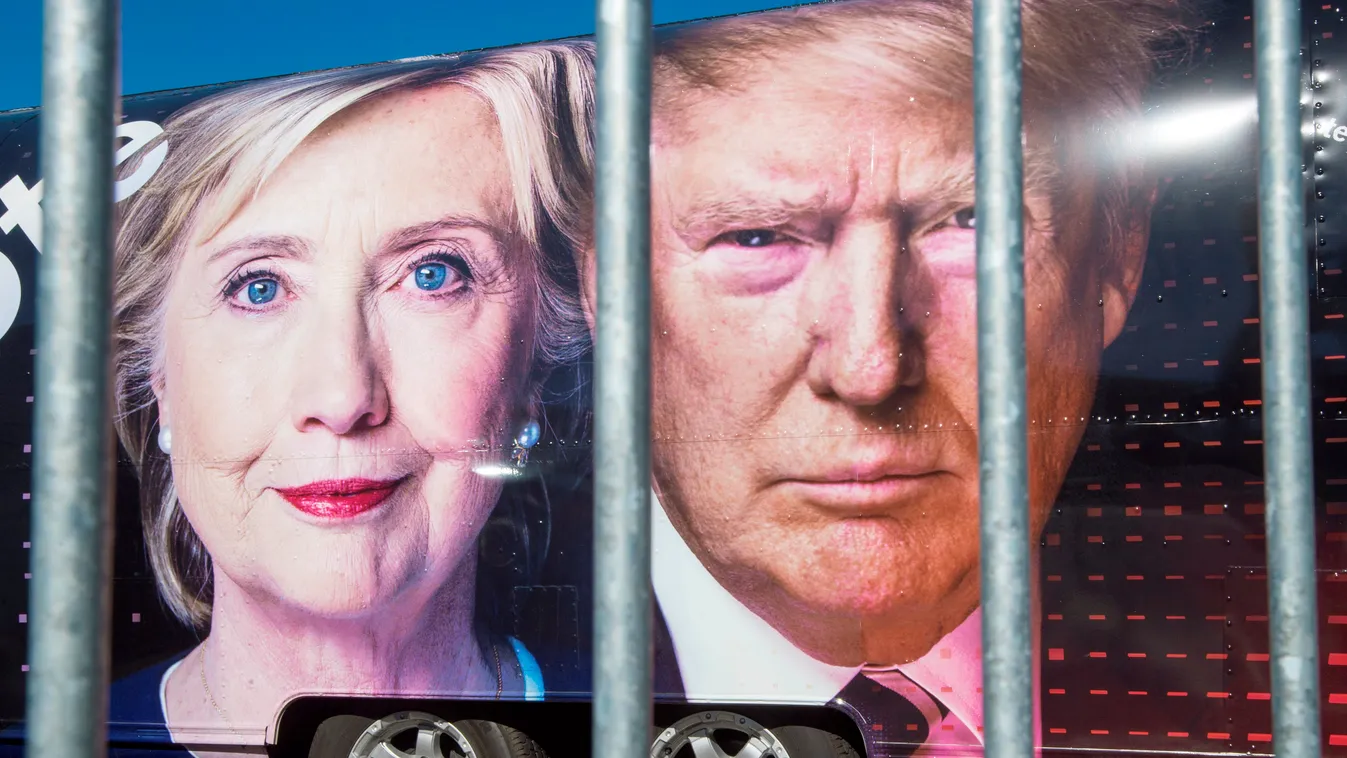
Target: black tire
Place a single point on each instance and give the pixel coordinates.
(336, 736)
(492, 740)
(808, 742)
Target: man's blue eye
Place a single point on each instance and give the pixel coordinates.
(431, 276)
(262, 291)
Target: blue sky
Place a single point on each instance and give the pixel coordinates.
(178, 43)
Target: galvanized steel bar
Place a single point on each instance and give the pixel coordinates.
(622, 602)
(1007, 658)
(1288, 453)
(72, 443)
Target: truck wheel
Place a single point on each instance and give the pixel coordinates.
(713, 734)
(412, 734)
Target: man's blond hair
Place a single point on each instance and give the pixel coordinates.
(1087, 66)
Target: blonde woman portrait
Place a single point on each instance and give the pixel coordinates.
(337, 304)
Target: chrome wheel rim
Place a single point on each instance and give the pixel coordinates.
(433, 738)
(717, 734)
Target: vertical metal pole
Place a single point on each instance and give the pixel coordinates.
(1288, 453)
(622, 610)
(1006, 633)
(72, 487)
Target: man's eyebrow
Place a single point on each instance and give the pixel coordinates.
(410, 235)
(952, 181)
(286, 245)
(719, 212)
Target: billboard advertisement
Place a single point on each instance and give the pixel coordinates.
(353, 333)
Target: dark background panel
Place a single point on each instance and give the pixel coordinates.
(1155, 592)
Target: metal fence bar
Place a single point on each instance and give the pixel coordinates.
(622, 602)
(72, 477)
(1006, 633)
(1287, 449)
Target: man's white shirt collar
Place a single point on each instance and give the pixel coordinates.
(726, 653)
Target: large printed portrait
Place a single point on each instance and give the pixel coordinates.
(814, 311)
(354, 316)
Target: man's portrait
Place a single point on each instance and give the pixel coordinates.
(814, 371)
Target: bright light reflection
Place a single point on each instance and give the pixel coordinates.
(1194, 126)
(496, 471)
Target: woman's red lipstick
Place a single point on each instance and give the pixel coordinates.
(339, 498)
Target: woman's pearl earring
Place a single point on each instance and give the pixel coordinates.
(528, 437)
(165, 440)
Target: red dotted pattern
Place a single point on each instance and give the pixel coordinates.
(1155, 620)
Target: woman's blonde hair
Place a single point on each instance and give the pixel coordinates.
(223, 148)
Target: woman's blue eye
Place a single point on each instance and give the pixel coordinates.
(262, 291)
(431, 276)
